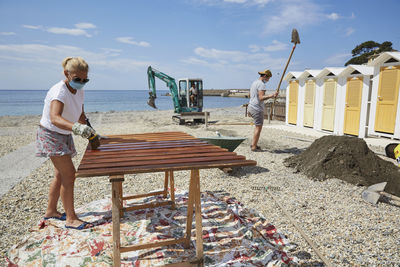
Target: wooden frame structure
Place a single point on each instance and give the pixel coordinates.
(156, 152)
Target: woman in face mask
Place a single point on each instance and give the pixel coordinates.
(256, 105)
(62, 115)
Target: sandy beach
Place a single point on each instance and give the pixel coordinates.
(347, 230)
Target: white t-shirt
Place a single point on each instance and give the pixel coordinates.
(255, 102)
(193, 90)
(72, 106)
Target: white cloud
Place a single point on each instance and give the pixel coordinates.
(293, 13)
(254, 48)
(74, 32)
(78, 31)
(33, 27)
(296, 13)
(338, 59)
(242, 2)
(333, 16)
(85, 25)
(45, 54)
(236, 1)
(239, 60)
(129, 40)
(111, 51)
(275, 46)
(7, 33)
(349, 31)
(262, 2)
(353, 16)
(195, 61)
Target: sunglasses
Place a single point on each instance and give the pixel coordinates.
(79, 80)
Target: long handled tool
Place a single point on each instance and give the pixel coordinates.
(295, 41)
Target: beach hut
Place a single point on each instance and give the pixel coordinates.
(353, 105)
(384, 118)
(310, 90)
(292, 97)
(332, 84)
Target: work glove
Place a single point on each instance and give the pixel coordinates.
(83, 130)
(94, 139)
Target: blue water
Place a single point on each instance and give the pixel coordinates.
(30, 102)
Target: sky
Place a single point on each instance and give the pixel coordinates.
(224, 42)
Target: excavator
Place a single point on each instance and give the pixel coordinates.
(187, 99)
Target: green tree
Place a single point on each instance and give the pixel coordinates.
(362, 52)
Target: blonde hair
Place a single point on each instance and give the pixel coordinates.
(73, 64)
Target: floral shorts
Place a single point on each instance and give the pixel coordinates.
(49, 143)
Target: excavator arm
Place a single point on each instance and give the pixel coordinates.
(170, 82)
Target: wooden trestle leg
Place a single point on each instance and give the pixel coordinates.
(166, 185)
(194, 201)
(172, 183)
(116, 185)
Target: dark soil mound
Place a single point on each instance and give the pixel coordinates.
(346, 158)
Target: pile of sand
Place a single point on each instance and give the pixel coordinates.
(348, 159)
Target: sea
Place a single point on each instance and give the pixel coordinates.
(30, 102)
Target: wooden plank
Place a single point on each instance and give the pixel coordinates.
(139, 162)
(171, 241)
(116, 178)
(118, 141)
(131, 158)
(158, 151)
(165, 167)
(159, 134)
(144, 195)
(101, 150)
(138, 142)
(151, 205)
(148, 136)
(147, 145)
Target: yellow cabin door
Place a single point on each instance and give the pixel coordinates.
(309, 104)
(328, 108)
(388, 92)
(293, 92)
(353, 106)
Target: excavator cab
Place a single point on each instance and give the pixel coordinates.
(187, 97)
(191, 93)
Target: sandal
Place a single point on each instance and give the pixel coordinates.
(257, 149)
(62, 218)
(82, 226)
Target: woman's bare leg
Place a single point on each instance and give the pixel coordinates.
(256, 136)
(54, 195)
(66, 170)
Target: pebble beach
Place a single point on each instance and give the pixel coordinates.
(346, 230)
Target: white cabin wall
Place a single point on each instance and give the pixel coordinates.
(287, 105)
(319, 89)
(364, 112)
(300, 104)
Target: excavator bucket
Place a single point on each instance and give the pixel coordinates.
(151, 101)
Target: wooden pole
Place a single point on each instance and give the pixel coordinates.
(279, 85)
(199, 223)
(116, 184)
(189, 217)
